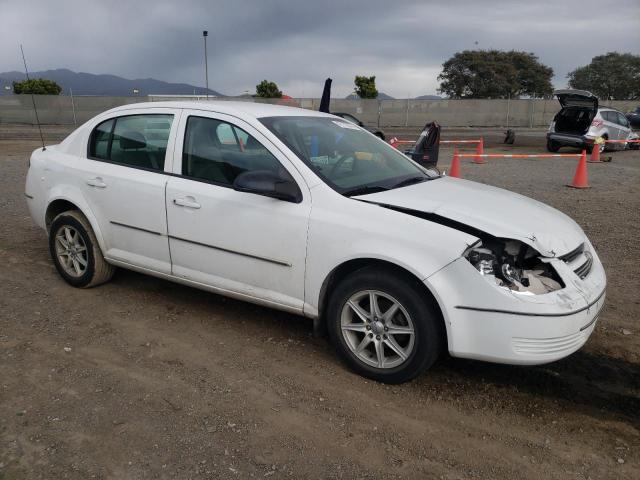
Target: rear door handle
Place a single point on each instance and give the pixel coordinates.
(188, 202)
(96, 182)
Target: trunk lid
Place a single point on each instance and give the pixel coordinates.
(577, 98)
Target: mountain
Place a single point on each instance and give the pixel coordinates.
(90, 84)
(381, 96)
(428, 97)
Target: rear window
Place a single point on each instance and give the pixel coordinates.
(606, 115)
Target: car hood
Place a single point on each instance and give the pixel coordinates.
(491, 210)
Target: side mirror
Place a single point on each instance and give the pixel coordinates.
(267, 183)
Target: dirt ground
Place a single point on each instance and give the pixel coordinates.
(142, 378)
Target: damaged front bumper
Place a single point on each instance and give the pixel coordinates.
(487, 322)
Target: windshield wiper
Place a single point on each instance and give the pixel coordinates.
(364, 190)
(410, 181)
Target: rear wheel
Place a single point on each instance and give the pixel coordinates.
(552, 146)
(75, 251)
(384, 326)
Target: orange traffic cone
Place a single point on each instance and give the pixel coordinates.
(595, 154)
(480, 151)
(580, 179)
(455, 164)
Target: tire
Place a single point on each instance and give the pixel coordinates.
(421, 349)
(71, 228)
(380, 135)
(552, 146)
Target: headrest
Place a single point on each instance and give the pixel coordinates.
(253, 144)
(131, 140)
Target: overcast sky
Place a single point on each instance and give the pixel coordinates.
(300, 43)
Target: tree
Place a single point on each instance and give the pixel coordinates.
(614, 76)
(267, 89)
(494, 74)
(366, 87)
(37, 86)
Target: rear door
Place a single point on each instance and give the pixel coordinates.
(123, 179)
(624, 127)
(238, 242)
(611, 124)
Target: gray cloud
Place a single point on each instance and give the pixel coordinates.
(299, 43)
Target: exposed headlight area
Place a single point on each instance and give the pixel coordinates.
(513, 265)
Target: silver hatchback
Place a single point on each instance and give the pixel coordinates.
(581, 121)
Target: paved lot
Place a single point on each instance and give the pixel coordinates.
(142, 378)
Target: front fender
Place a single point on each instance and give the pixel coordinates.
(357, 230)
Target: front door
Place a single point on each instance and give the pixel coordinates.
(242, 243)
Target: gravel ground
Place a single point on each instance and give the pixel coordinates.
(142, 378)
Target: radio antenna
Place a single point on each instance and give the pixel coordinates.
(33, 100)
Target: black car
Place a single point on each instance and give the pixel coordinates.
(347, 116)
(634, 118)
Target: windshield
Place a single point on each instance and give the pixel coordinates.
(346, 157)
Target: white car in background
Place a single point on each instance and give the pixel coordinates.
(581, 121)
(305, 212)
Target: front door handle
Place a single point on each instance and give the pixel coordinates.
(188, 202)
(96, 182)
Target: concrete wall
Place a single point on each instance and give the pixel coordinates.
(63, 110)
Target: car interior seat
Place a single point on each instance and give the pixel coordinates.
(133, 150)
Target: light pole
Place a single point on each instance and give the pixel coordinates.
(205, 34)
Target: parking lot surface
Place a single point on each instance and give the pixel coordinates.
(143, 378)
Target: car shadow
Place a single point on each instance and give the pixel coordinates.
(596, 383)
(592, 381)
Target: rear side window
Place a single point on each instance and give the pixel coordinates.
(217, 152)
(138, 141)
(100, 140)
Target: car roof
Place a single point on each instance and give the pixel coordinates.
(609, 109)
(253, 109)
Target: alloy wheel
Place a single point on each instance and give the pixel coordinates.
(377, 329)
(71, 251)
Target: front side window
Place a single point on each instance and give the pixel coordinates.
(345, 156)
(138, 141)
(622, 120)
(216, 151)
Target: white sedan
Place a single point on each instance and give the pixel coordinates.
(305, 212)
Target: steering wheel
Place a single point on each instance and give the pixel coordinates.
(337, 165)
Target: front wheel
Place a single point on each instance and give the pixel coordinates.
(384, 325)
